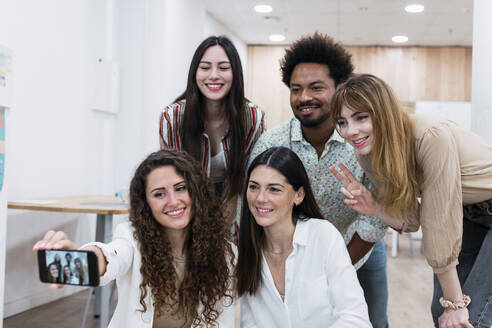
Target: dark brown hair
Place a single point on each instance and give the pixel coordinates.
(209, 253)
(193, 119)
(252, 235)
(321, 49)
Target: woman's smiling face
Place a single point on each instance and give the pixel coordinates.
(356, 128)
(270, 197)
(168, 198)
(214, 74)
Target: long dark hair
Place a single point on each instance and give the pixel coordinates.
(192, 127)
(252, 235)
(209, 252)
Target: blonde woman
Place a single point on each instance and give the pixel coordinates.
(448, 167)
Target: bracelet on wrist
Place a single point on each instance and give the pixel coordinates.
(455, 305)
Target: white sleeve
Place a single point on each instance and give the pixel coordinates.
(118, 253)
(350, 308)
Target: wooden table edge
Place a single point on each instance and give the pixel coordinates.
(50, 208)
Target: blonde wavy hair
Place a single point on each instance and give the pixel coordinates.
(392, 155)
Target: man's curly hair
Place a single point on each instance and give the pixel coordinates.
(321, 49)
(209, 255)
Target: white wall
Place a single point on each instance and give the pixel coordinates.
(174, 30)
(56, 144)
(129, 51)
(482, 69)
(52, 138)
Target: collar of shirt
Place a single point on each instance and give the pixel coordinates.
(296, 133)
(301, 234)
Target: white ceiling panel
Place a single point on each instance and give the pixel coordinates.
(353, 22)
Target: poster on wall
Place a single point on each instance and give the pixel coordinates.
(2, 145)
(5, 77)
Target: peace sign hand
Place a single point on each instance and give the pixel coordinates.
(357, 196)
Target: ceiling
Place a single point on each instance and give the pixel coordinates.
(353, 22)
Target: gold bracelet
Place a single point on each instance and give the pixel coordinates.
(455, 305)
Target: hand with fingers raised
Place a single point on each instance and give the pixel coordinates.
(54, 240)
(357, 196)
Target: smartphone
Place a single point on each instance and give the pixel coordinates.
(68, 267)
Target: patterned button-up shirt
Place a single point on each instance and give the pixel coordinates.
(325, 186)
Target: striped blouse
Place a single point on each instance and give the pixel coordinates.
(170, 125)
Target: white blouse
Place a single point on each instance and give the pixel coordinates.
(321, 286)
(124, 261)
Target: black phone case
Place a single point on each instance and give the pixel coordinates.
(92, 263)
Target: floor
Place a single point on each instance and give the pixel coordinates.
(410, 291)
(410, 284)
(62, 313)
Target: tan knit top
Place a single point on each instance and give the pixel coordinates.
(456, 167)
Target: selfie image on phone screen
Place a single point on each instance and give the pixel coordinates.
(69, 267)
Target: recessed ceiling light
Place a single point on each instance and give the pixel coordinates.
(414, 8)
(399, 38)
(263, 8)
(277, 37)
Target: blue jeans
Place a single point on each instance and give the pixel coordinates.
(374, 282)
(474, 268)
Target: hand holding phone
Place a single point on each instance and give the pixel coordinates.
(54, 240)
(61, 264)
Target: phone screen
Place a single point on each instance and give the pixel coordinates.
(69, 267)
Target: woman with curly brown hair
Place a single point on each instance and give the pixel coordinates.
(173, 261)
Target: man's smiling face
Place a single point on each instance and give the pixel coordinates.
(311, 90)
